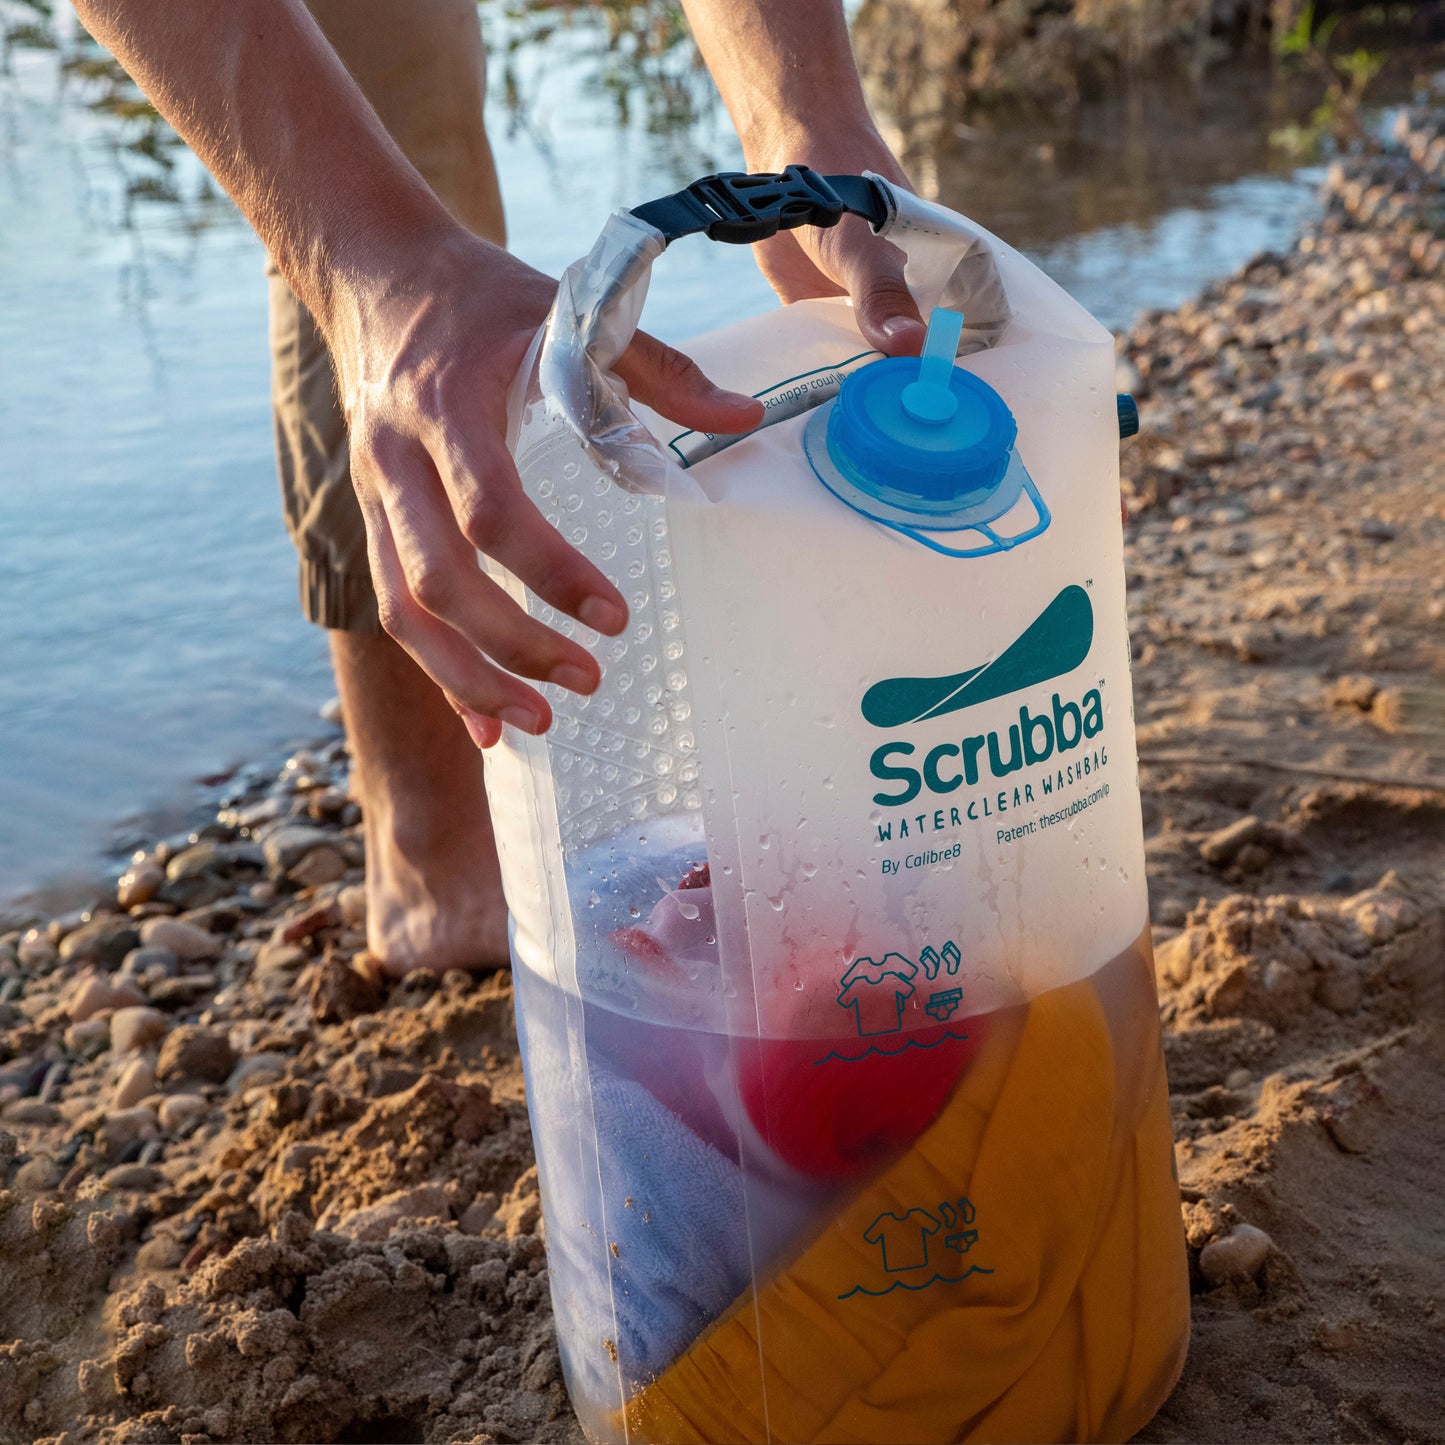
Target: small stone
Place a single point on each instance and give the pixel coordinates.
(137, 1081)
(1236, 1258)
(137, 1028)
(193, 1052)
(312, 921)
(318, 867)
(196, 861)
(35, 950)
(185, 940)
(105, 941)
(138, 885)
(1174, 958)
(1220, 847)
(124, 1126)
(89, 1038)
(288, 845)
(90, 995)
(179, 992)
(1252, 858)
(1376, 530)
(376, 1221)
(258, 1069)
(37, 1175)
(1171, 912)
(1237, 1079)
(160, 1253)
(140, 961)
(280, 957)
(131, 1176)
(339, 991)
(352, 902)
(31, 1113)
(177, 1110)
(1351, 378)
(479, 1213)
(331, 711)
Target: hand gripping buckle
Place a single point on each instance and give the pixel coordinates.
(740, 209)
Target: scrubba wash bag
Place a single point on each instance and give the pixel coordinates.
(829, 917)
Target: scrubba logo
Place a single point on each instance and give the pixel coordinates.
(1055, 643)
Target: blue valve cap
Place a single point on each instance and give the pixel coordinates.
(1128, 415)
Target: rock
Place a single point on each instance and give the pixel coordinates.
(1237, 1079)
(124, 1126)
(89, 1038)
(140, 961)
(1376, 530)
(340, 991)
(280, 958)
(185, 940)
(105, 941)
(318, 867)
(1237, 1258)
(131, 1176)
(178, 1110)
(161, 1253)
(1174, 958)
(1220, 848)
(197, 860)
(137, 1028)
(193, 1052)
(90, 995)
(1252, 858)
(31, 1113)
(1380, 915)
(304, 925)
(35, 950)
(178, 992)
(288, 845)
(352, 903)
(258, 1069)
(137, 1081)
(376, 1221)
(37, 1175)
(1171, 912)
(331, 711)
(138, 885)
(478, 1214)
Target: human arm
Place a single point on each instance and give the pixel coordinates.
(427, 325)
(786, 73)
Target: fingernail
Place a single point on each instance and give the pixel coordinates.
(483, 731)
(603, 615)
(521, 717)
(573, 677)
(897, 325)
(733, 398)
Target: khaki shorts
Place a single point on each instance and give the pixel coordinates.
(421, 65)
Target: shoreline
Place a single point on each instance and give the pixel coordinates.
(255, 1191)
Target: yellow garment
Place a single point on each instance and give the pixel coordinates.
(1079, 1331)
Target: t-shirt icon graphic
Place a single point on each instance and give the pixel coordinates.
(876, 992)
(903, 1238)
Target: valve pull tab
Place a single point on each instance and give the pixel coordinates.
(930, 399)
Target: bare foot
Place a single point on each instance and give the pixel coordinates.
(433, 888)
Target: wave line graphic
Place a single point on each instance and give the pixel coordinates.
(1055, 642)
(890, 1053)
(903, 1284)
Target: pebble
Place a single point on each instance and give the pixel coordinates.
(280, 956)
(131, 1176)
(185, 940)
(37, 1175)
(318, 867)
(1376, 530)
(161, 1253)
(258, 1069)
(35, 950)
(124, 1127)
(104, 941)
(1237, 1258)
(331, 711)
(287, 846)
(201, 1054)
(177, 992)
(32, 1113)
(1172, 912)
(1341, 989)
(137, 1028)
(352, 902)
(1174, 958)
(140, 961)
(89, 1037)
(93, 994)
(1219, 848)
(177, 1110)
(1237, 1079)
(138, 885)
(376, 1221)
(137, 1081)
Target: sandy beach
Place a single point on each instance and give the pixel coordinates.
(253, 1191)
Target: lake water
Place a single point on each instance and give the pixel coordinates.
(148, 627)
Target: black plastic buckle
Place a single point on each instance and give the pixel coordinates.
(740, 209)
